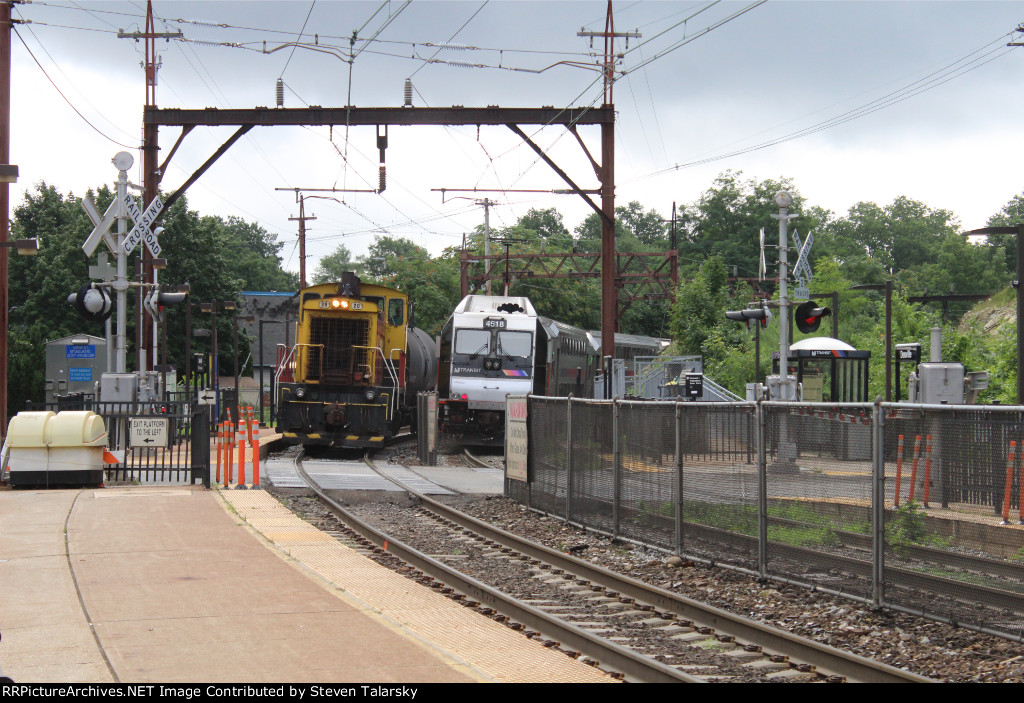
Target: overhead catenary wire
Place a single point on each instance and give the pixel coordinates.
(65, 97)
(932, 80)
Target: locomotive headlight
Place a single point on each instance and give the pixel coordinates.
(300, 393)
(369, 395)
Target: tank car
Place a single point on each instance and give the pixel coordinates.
(493, 346)
(352, 376)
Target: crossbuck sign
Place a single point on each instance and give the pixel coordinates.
(143, 220)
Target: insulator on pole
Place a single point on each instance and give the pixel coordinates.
(408, 92)
(280, 92)
(383, 180)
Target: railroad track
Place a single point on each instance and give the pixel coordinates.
(636, 631)
(474, 461)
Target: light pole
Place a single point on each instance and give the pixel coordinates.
(784, 200)
(211, 308)
(786, 453)
(263, 366)
(24, 247)
(234, 323)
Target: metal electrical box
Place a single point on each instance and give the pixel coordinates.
(74, 365)
(118, 387)
(940, 382)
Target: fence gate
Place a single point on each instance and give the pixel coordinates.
(162, 443)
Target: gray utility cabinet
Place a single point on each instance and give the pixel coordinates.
(74, 365)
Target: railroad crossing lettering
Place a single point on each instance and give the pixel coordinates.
(142, 232)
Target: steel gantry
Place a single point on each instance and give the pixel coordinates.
(512, 118)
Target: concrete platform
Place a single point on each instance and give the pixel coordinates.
(179, 584)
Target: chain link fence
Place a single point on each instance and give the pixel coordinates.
(911, 507)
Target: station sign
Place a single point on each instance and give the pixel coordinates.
(148, 431)
(516, 443)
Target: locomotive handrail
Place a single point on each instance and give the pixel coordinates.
(399, 391)
(283, 363)
(391, 372)
(298, 351)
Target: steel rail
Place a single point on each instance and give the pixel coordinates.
(611, 656)
(474, 461)
(828, 660)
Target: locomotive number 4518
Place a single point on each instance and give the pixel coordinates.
(495, 323)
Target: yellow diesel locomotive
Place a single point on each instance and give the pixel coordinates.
(352, 376)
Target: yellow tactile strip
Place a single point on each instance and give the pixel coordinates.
(487, 646)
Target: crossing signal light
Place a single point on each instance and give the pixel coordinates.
(91, 303)
(762, 315)
(808, 316)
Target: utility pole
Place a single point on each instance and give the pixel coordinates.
(487, 236)
(609, 292)
(8, 174)
(302, 237)
(151, 172)
(301, 219)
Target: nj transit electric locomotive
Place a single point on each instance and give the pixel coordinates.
(497, 345)
(352, 377)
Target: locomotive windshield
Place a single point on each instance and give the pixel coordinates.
(506, 343)
(472, 342)
(515, 343)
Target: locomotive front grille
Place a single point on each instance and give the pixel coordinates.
(334, 353)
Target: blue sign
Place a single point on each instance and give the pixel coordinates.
(80, 351)
(80, 374)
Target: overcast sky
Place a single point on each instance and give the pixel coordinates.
(921, 99)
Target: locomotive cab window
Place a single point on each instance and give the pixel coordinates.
(468, 341)
(396, 311)
(515, 343)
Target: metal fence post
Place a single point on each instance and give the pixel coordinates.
(616, 466)
(877, 503)
(568, 459)
(762, 493)
(200, 445)
(678, 537)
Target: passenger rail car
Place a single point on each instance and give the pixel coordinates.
(352, 376)
(493, 346)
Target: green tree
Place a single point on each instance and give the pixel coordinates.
(254, 256)
(635, 230)
(332, 266)
(1011, 215)
(549, 226)
(727, 219)
(699, 308)
(38, 286)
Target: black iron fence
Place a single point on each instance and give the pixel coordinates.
(918, 508)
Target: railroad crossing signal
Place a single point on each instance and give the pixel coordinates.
(808, 316)
(762, 315)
